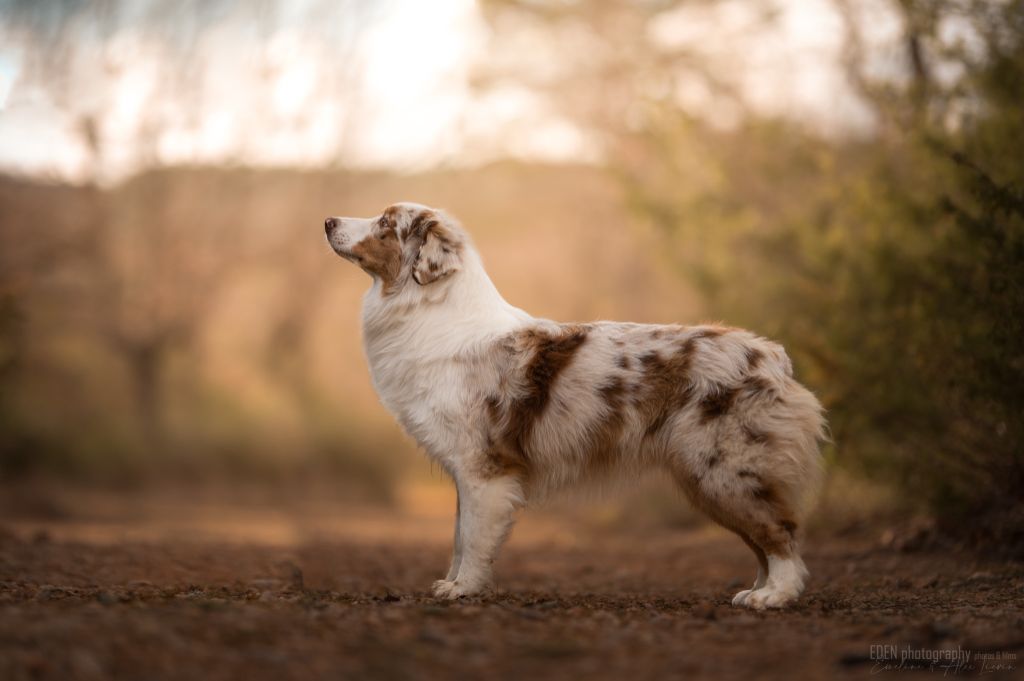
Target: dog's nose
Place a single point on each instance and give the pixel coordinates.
(330, 223)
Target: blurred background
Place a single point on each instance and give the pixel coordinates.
(844, 176)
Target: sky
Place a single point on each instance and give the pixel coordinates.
(388, 85)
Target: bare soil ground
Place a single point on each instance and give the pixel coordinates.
(137, 599)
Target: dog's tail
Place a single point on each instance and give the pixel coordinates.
(807, 433)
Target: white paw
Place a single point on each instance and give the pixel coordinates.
(456, 589)
(741, 597)
(769, 598)
(443, 587)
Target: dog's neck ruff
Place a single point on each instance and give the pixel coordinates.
(450, 318)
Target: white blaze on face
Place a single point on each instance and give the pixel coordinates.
(348, 232)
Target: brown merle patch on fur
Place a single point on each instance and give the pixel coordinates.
(622, 362)
(650, 360)
(552, 353)
(754, 436)
(420, 224)
(381, 256)
(669, 388)
(717, 403)
(549, 355)
(501, 459)
(754, 357)
(766, 525)
(612, 391)
(773, 541)
(761, 489)
(439, 247)
(714, 459)
(603, 443)
(759, 388)
(765, 493)
(389, 219)
(758, 385)
(776, 536)
(708, 332)
(493, 406)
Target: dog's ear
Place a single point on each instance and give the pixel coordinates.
(440, 251)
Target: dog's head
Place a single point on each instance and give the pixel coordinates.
(407, 244)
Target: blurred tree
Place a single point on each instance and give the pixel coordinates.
(39, 248)
(138, 79)
(154, 269)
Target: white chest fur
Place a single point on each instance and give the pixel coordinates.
(431, 364)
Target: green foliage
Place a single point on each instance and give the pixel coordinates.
(892, 267)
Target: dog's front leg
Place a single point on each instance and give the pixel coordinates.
(445, 585)
(485, 515)
(453, 571)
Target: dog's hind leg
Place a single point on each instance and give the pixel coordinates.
(750, 503)
(762, 570)
(486, 509)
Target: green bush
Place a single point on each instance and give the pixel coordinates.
(891, 266)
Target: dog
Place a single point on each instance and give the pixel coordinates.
(516, 408)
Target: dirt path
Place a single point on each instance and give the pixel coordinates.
(345, 606)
